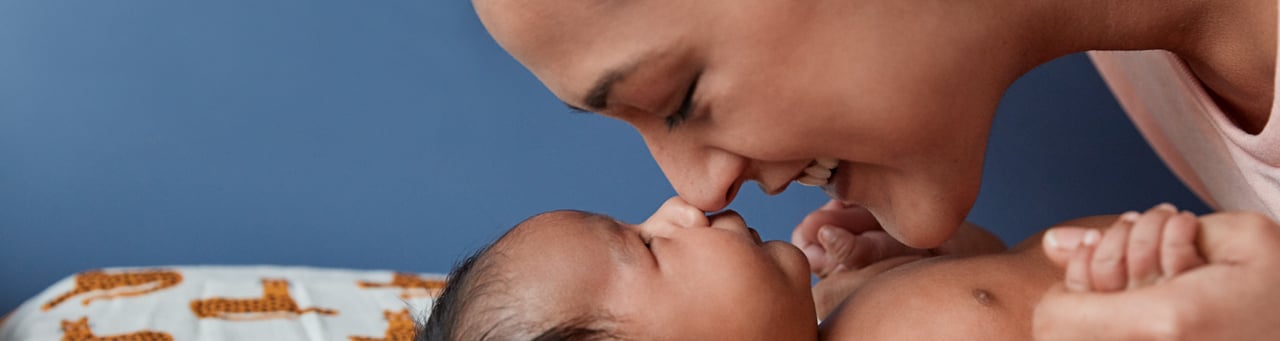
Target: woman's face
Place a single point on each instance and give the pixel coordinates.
(726, 91)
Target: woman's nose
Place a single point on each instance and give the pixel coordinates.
(705, 178)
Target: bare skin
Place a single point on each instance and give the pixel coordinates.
(901, 93)
(994, 296)
(1216, 301)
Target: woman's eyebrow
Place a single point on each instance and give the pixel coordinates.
(597, 99)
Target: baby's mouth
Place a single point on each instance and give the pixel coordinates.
(755, 236)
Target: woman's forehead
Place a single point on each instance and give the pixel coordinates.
(571, 44)
(524, 26)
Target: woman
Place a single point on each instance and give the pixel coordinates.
(888, 104)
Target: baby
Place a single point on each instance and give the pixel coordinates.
(682, 275)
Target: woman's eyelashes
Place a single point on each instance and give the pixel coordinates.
(682, 113)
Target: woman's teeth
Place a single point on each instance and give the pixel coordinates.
(819, 172)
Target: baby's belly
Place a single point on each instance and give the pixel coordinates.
(977, 298)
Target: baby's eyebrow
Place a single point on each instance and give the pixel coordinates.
(617, 235)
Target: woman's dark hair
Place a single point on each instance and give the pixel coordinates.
(454, 316)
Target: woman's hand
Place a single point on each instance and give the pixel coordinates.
(837, 237)
(1230, 298)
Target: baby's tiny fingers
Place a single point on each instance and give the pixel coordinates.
(1077, 276)
(1107, 266)
(1178, 252)
(1143, 254)
(840, 246)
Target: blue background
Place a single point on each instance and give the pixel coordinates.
(393, 135)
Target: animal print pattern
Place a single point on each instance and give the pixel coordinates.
(274, 303)
(125, 284)
(198, 291)
(79, 331)
(410, 284)
(400, 327)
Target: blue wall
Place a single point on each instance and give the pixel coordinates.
(392, 135)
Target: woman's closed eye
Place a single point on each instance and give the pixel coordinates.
(686, 105)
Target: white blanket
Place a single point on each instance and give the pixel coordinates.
(226, 303)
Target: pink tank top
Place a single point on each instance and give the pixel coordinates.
(1227, 167)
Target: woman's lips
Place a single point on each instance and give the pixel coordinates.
(836, 187)
(818, 172)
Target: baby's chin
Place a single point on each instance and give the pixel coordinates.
(790, 260)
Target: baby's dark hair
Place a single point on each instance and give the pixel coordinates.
(473, 307)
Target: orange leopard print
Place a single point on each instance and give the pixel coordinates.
(79, 331)
(123, 284)
(400, 327)
(275, 303)
(412, 285)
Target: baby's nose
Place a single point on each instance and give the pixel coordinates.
(680, 213)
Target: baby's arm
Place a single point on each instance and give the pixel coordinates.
(836, 287)
(1139, 249)
(873, 253)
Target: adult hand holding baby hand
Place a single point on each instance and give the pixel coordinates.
(1232, 297)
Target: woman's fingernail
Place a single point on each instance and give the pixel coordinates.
(1064, 238)
(1167, 207)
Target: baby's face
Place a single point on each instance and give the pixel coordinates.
(678, 275)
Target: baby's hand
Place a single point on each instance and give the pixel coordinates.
(1138, 250)
(838, 238)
